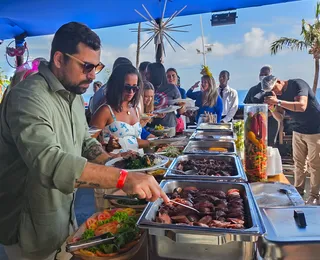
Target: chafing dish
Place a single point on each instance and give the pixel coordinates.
(215, 127)
(287, 237)
(269, 194)
(193, 242)
(203, 147)
(213, 136)
(237, 176)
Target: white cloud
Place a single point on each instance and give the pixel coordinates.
(242, 57)
(256, 43)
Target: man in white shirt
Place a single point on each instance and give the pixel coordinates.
(229, 97)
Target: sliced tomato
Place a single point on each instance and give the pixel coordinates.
(86, 252)
(104, 216)
(90, 221)
(99, 253)
(111, 227)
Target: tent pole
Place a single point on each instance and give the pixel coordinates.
(203, 47)
(158, 40)
(19, 41)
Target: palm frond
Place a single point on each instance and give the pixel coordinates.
(318, 11)
(278, 45)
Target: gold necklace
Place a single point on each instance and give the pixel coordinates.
(128, 112)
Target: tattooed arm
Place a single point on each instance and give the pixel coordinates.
(95, 154)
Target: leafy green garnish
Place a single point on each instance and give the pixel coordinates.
(87, 234)
(107, 248)
(127, 232)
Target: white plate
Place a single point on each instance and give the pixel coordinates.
(92, 131)
(192, 108)
(188, 101)
(178, 100)
(164, 161)
(145, 116)
(158, 141)
(167, 110)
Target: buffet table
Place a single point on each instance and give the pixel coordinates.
(280, 178)
(224, 173)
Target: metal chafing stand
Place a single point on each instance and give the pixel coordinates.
(238, 174)
(191, 242)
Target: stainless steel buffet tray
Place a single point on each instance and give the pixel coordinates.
(286, 237)
(202, 147)
(215, 127)
(237, 176)
(203, 235)
(213, 136)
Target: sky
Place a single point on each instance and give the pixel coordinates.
(242, 48)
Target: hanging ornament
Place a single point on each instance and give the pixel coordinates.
(13, 52)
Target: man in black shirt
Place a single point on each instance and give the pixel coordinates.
(251, 98)
(297, 99)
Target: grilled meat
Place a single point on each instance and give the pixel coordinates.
(217, 209)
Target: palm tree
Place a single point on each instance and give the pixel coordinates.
(311, 42)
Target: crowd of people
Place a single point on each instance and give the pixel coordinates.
(47, 153)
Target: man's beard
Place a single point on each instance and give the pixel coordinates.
(77, 89)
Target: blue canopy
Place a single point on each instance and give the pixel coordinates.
(42, 17)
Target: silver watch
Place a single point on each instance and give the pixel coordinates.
(279, 103)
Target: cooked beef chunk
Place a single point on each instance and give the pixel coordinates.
(193, 218)
(219, 214)
(211, 167)
(205, 219)
(164, 218)
(200, 224)
(235, 221)
(217, 210)
(180, 219)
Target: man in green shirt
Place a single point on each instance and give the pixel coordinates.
(46, 151)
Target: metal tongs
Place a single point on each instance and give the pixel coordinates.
(93, 241)
(122, 197)
(134, 198)
(183, 205)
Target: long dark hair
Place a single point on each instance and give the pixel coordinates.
(115, 87)
(157, 74)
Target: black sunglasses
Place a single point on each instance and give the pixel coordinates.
(87, 67)
(128, 88)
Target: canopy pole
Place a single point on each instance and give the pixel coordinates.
(19, 41)
(202, 38)
(158, 41)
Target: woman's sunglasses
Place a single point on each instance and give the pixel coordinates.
(128, 88)
(87, 67)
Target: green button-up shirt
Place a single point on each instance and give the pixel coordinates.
(43, 134)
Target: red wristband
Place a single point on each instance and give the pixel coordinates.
(122, 179)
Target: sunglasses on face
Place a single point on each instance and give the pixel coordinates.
(128, 88)
(87, 67)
